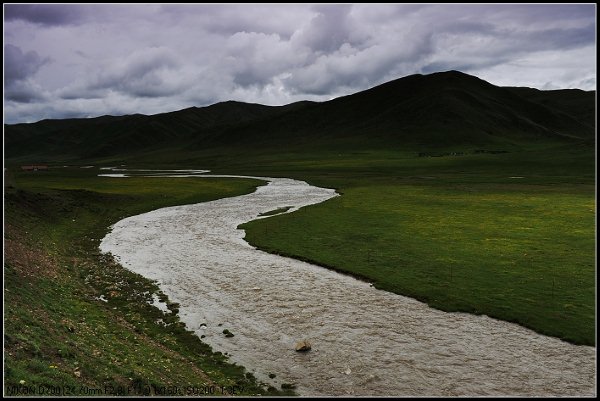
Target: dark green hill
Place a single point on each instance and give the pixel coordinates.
(575, 102)
(439, 110)
(109, 135)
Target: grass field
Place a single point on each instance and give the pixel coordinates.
(508, 235)
(75, 322)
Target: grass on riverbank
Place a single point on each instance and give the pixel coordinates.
(508, 235)
(75, 322)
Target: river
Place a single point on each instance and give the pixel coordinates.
(364, 341)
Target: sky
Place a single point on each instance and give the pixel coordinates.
(87, 60)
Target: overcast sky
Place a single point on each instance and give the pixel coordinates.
(65, 61)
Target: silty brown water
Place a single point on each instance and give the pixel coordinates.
(365, 341)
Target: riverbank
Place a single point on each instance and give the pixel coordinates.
(75, 322)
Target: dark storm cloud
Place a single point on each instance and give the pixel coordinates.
(23, 92)
(45, 14)
(145, 73)
(75, 93)
(527, 15)
(19, 65)
(128, 58)
(548, 39)
(81, 54)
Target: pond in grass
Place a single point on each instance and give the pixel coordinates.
(364, 341)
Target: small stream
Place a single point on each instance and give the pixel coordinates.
(365, 341)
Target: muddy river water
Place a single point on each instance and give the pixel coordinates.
(364, 341)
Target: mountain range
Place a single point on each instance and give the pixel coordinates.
(440, 110)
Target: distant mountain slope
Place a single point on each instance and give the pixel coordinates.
(441, 109)
(429, 111)
(107, 135)
(579, 104)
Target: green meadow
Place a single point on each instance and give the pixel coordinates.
(508, 235)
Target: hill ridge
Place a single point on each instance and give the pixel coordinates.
(437, 110)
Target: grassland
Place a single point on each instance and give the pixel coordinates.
(509, 235)
(75, 322)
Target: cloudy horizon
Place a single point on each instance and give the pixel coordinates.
(65, 61)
